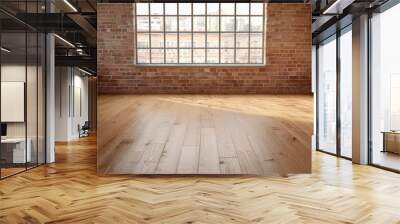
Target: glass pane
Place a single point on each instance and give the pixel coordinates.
(171, 23)
(142, 23)
(212, 40)
(242, 56)
(14, 68)
(199, 40)
(185, 56)
(143, 56)
(171, 40)
(227, 40)
(256, 23)
(212, 56)
(185, 40)
(213, 24)
(212, 8)
(157, 56)
(143, 40)
(242, 40)
(257, 8)
(385, 88)
(242, 8)
(157, 40)
(227, 56)
(171, 9)
(156, 8)
(199, 23)
(256, 40)
(199, 8)
(185, 23)
(327, 96)
(346, 94)
(227, 8)
(227, 24)
(256, 56)
(142, 9)
(185, 9)
(199, 56)
(157, 24)
(41, 99)
(171, 56)
(242, 23)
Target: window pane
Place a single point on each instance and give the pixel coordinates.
(256, 56)
(156, 9)
(212, 40)
(142, 23)
(143, 56)
(171, 56)
(185, 40)
(227, 40)
(242, 8)
(199, 8)
(228, 23)
(157, 23)
(213, 23)
(170, 9)
(212, 56)
(185, 56)
(157, 56)
(185, 23)
(256, 40)
(199, 23)
(227, 8)
(171, 23)
(142, 8)
(242, 23)
(157, 40)
(199, 40)
(227, 56)
(199, 56)
(256, 23)
(257, 8)
(185, 9)
(143, 40)
(242, 56)
(171, 40)
(212, 8)
(242, 40)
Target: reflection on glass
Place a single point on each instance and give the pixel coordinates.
(327, 96)
(346, 94)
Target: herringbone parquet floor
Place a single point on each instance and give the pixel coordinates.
(70, 191)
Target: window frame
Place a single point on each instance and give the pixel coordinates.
(258, 62)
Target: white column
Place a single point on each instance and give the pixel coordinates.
(360, 90)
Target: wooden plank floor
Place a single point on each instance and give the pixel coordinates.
(70, 191)
(204, 134)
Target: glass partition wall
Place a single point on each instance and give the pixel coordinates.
(385, 89)
(22, 98)
(334, 93)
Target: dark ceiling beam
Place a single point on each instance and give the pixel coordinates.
(80, 61)
(85, 25)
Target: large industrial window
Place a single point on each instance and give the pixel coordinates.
(200, 33)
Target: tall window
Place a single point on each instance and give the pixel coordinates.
(200, 33)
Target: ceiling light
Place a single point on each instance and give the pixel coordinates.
(65, 41)
(84, 71)
(70, 5)
(5, 50)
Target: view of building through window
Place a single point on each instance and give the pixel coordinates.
(200, 33)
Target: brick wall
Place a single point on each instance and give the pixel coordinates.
(287, 70)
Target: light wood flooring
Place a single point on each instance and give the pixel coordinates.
(70, 191)
(204, 134)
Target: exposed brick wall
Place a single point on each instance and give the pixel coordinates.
(288, 55)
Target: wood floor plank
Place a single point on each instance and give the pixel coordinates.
(209, 158)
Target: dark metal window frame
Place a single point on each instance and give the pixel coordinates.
(337, 36)
(192, 32)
